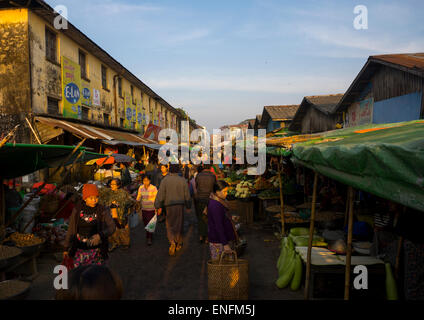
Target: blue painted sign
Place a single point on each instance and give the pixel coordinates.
(72, 93)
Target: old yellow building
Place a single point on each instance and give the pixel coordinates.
(61, 74)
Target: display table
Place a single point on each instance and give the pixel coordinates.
(328, 274)
(265, 203)
(243, 208)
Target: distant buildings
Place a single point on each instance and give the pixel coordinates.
(389, 88)
(275, 117)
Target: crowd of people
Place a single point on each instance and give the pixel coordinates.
(100, 223)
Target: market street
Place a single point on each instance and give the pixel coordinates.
(183, 277)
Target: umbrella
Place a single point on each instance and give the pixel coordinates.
(111, 159)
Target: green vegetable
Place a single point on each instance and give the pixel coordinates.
(299, 231)
(391, 289)
(283, 252)
(287, 261)
(298, 269)
(290, 243)
(286, 276)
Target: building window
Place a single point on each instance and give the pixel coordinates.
(51, 45)
(83, 64)
(121, 122)
(52, 106)
(106, 119)
(120, 87)
(84, 113)
(104, 77)
(132, 94)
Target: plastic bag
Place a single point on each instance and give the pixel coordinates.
(151, 226)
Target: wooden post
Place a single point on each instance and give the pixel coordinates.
(347, 208)
(33, 131)
(349, 246)
(311, 235)
(399, 251)
(281, 200)
(9, 136)
(2, 211)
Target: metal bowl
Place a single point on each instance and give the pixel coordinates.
(30, 250)
(21, 295)
(5, 263)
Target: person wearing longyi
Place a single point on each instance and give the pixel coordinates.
(90, 226)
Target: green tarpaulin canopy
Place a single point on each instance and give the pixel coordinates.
(278, 151)
(388, 163)
(18, 160)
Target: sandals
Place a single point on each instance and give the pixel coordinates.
(179, 246)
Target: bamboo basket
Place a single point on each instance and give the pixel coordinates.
(228, 279)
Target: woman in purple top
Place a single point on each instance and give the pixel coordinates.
(220, 228)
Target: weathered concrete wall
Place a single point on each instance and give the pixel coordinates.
(15, 100)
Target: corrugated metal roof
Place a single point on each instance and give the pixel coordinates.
(408, 60)
(286, 112)
(92, 132)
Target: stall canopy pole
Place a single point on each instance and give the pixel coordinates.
(311, 234)
(349, 246)
(2, 210)
(347, 208)
(281, 199)
(9, 135)
(33, 131)
(12, 220)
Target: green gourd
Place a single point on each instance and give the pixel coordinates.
(297, 278)
(299, 231)
(283, 256)
(287, 261)
(391, 289)
(287, 276)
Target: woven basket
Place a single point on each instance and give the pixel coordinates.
(228, 279)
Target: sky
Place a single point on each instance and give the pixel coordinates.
(222, 61)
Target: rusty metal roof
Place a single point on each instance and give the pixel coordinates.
(94, 133)
(407, 60)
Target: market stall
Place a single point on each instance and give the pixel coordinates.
(383, 161)
(20, 246)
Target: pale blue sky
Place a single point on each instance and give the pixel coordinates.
(222, 61)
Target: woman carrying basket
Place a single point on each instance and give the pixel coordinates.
(220, 229)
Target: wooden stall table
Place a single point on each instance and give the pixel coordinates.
(265, 202)
(329, 268)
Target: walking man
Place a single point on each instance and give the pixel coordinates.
(173, 194)
(205, 180)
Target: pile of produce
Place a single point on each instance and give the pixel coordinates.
(53, 236)
(7, 252)
(24, 239)
(274, 181)
(300, 237)
(268, 194)
(289, 266)
(261, 184)
(243, 189)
